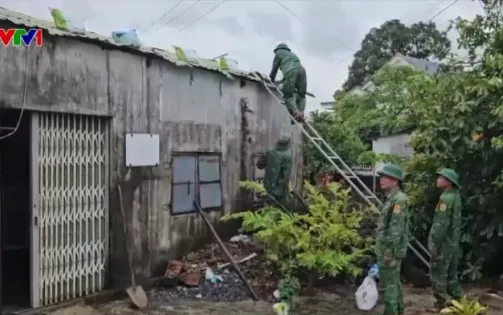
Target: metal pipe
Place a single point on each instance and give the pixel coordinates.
(226, 252)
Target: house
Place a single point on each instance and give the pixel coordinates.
(398, 144)
(94, 116)
(401, 60)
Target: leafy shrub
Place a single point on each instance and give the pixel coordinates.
(324, 241)
(464, 307)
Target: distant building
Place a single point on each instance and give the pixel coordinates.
(398, 144)
(327, 105)
(401, 60)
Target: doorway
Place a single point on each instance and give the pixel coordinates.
(15, 210)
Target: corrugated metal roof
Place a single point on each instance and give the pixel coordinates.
(29, 21)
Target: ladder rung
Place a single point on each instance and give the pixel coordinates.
(316, 139)
(334, 157)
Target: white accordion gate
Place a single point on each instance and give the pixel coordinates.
(70, 193)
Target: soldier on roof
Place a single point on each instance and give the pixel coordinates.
(294, 80)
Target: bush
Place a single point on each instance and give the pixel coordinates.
(325, 241)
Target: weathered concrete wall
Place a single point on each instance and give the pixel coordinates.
(192, 109)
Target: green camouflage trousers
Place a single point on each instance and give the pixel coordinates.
(294, 90)
(391, 287)
(444, 277)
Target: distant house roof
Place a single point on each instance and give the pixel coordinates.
(21, 19)
(327, 105)
(429, 67)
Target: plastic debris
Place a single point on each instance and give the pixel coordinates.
(374, 271)
(186, 55)
(241, 238)
(226, 64)
(276, 294)
(210, 276)
(367, 294)
(129, 37)
(281, 308)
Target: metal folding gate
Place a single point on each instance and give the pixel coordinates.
(70, 192)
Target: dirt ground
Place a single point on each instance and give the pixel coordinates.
(324, 303)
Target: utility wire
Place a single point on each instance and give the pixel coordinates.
(436, 5)
(163, 16)
(443, 10)
(202, 16)
(25, 92)
(177, 16)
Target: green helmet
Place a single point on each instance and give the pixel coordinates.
(282, 46)
(393, 171)
(284, 142)
(450, 175)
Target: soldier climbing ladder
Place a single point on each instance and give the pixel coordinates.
(335, 160)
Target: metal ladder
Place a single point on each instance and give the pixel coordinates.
(335, 160)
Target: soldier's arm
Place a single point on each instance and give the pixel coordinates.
(287, 165)
(396, 227)
(441, 222)
(275, 66)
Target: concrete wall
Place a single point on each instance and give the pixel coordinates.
(192, 109)
(397, 145)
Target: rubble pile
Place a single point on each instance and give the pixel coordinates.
(207, 274)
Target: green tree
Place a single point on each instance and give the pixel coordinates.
(420, 40)
(457, 122)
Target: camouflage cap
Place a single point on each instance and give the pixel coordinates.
(393, 171)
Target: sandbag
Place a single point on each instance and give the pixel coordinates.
(67, 21)
(367, 294)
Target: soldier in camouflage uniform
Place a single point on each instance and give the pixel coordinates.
(443, 241)
(294, 80)
(392, 238)
(278, 165)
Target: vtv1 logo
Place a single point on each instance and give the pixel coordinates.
(21, 37)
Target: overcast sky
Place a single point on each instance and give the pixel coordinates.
(324, 33)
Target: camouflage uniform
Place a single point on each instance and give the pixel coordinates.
(443, 243)
(294, 82)
(391, 241)
(277, 170)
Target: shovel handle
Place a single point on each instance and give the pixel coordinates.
(124, 225)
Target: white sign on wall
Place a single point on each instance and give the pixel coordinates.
(142, 149)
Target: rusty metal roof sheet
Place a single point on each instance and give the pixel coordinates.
(29, 21)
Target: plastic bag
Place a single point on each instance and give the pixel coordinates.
(367, 294)
(129, 37)
(281, 308)
(67, 22)
(212, 277)
(226, 64)
(374, 271)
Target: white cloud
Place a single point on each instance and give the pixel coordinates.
(324, 33)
